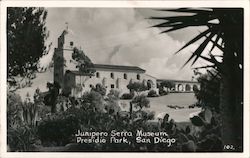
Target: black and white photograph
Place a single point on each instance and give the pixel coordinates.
(125, 79)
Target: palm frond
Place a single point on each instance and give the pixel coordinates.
(196, 17)
(205, 67)
(212, 60)
(217, 45)
(197, 53)
(195, 39)
(189, 10)
(187, 20)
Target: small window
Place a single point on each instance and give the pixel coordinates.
(125, 76)
(90, 85)
(97, 75)
(112, 75)
(112, 86)
(138, 77)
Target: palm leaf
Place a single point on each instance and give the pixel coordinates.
(196, 17)
(212, 60)
(218, 46)
(194, 20)
(189, 10)
(205, 67)
(199, 50)
(195, 39)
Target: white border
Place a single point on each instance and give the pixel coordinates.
(125, 4)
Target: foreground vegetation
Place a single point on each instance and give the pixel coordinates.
(33, 126)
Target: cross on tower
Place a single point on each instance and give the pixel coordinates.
(67, 26)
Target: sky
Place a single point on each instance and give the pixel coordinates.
(123, 36)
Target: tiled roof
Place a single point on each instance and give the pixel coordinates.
(119, 67)
(79, 73)
(181, 81)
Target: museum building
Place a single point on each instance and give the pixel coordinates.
(74, 82)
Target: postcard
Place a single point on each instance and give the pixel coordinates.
(125, 78)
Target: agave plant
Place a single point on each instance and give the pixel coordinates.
(224, 30)
(30, 114)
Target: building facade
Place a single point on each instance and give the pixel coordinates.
(181, 85)
(75, 83)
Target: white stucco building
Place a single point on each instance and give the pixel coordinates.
(75, 83)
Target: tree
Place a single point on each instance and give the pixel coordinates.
(225, 32)
(209, 93)
(26, 35)
(141, 101)
(83, 62)
(99, 89)
(50, 98)
(168, 84)
(137, 87)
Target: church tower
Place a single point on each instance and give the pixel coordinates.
(63, 56)
(59, 60)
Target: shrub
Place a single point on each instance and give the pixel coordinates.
(14, 109)
(93, 99)
(163, 92)
(127, 96)
(141, 101)
(152, 93)
(21, 121)
(114, 93)
(29, 113)
(58, 128)
(137, 86)
(112, 102)
(23, 138)
(99, 89)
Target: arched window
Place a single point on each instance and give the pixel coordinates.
(195, 87)
(125, 76)
(138, 76)
(97, 75)
(187, 87)
(112, 75)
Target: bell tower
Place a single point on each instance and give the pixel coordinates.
(59, 60)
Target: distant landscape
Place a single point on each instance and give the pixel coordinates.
(159, 105)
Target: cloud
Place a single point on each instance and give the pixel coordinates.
(121, 36)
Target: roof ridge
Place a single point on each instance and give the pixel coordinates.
(117, 65)
(108, 66)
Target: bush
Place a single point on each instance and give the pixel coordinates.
(93, 99)
(14, 109)
(163, 92)
(23, 138)
(58, 128)
(127, 96)
(141, 101)
(114, 94)
(21, 121)
(99, 89)
(152, 93)
(137, 86)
